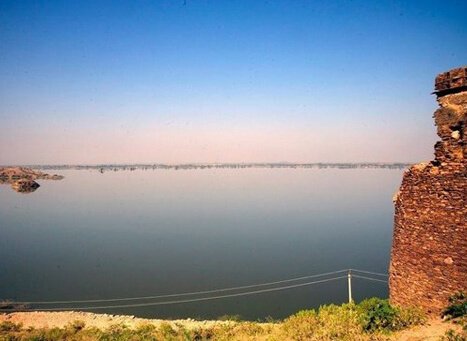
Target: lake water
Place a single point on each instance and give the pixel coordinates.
(143, 233)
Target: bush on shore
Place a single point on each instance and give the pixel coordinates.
(457, 306)
(372, 319)
(457, 312)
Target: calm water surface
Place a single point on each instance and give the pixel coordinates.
(140, 233)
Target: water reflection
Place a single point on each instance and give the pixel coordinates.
(121, 234)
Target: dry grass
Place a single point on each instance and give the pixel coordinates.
(371, 320)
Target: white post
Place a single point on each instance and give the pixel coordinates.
(349, 279)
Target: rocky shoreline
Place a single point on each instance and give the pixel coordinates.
(23, 180)
(41, 319)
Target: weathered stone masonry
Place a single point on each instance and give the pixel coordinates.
(429, 251)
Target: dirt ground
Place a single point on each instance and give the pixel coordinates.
(432, 330)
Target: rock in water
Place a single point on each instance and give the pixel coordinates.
(25, 186)
(22, 179)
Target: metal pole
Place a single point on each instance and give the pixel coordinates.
(349, 279)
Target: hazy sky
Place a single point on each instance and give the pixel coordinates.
(223, 81)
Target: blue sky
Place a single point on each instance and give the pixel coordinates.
(212, 81)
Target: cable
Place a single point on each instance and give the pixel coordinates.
(371, 279)
(370, 272)
(184, 294)
(187, 300)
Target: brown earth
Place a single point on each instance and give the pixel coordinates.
(433, 330)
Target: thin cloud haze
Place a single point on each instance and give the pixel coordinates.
(223, 81)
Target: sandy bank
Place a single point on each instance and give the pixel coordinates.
(39, 319)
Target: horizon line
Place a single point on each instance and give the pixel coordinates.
(213, 163)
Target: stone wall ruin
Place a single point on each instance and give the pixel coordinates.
(429, 251)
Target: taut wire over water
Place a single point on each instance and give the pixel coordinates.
(199, 299)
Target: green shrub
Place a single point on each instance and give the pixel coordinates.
(116, 332)
(457, 306)
(339, 323)
(452, 335)
(302, 325)
(146, 329)
(249, 328)
(202, 334)
(75, 326)
(8, 326)
(411, 316)
(55, 334)
(330, 322)
(167, 331)
(377, 315)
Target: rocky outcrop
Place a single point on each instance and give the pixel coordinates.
(429, 251)
(23, 179)
(25, 186)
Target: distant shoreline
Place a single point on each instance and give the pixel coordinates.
(194, 166)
